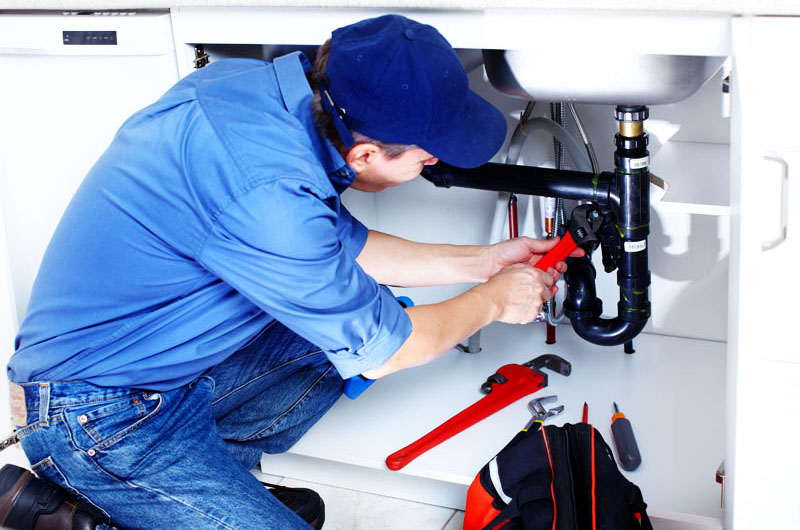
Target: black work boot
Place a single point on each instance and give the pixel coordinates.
(29, 503)
(304, 502)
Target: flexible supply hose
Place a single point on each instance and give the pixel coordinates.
(574, 149)
(559, 117)
(518, 137)
(585, 137)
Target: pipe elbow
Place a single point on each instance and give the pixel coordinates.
(584, 309)
(607, 331)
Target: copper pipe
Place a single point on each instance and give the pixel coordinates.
(513, 229)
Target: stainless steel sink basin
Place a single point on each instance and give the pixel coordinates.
(636, 79)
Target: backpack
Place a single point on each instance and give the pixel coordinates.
(555, 478)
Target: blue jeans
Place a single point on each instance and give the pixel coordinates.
(181, 459)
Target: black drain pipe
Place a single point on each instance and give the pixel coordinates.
(623, 195)
(632, 196)
(527, 180)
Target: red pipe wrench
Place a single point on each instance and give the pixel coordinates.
(510, 383)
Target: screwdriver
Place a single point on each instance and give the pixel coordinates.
(625, 442)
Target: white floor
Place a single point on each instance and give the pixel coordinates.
(347, 509)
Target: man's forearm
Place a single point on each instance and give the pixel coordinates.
(396, 261)
(437, 328)
(512, 291)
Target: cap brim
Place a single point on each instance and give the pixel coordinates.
(475, 140)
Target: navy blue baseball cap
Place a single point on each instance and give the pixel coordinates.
(399, 81)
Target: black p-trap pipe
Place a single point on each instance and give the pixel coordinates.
(623, 194)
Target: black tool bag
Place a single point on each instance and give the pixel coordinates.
(555, 478)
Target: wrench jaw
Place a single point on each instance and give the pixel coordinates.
(555, 411)
(536, 406)
(584, 226)
(538, 411)
(553, 362)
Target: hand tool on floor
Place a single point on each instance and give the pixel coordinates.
(582, 229)
(624, 441)
(510, 383)
(539, 414)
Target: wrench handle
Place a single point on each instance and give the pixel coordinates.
(520, 382)
(448, 429)
(558, 253)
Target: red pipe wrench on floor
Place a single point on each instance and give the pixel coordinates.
(510, 383)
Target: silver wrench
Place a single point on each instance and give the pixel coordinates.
(539, 413)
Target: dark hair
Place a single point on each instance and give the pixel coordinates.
(324, 121)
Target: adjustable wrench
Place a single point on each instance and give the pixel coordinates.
(539, 414)
(582, 229)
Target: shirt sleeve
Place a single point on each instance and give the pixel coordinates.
(352, 233)
(291, 251)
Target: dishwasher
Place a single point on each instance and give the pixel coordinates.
(68, 80)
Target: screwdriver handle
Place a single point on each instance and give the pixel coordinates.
(625, 442)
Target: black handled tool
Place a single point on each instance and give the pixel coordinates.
(625, 441)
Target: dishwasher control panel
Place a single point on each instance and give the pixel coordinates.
(90, 37)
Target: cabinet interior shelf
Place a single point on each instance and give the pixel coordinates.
(672, 390)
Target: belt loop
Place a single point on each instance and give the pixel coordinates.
(44, 402)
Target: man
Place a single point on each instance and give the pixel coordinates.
(206, 293)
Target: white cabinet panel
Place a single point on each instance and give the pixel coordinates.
(60, 106)
(764, 359)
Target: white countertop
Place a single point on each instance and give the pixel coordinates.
(752, 7)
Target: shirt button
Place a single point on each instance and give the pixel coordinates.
(82, 418)
(91, 452)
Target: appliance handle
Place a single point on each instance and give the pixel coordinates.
(769, 245)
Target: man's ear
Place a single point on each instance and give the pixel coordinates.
(361, 155)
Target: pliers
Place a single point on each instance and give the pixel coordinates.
(539, 413)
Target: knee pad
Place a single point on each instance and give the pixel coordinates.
(29, 503)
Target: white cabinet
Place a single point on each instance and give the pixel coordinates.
(763, 352)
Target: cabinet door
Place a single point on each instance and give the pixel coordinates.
(763, 490)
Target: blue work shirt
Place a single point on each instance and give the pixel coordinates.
(213, 212)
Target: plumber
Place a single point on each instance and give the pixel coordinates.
(206, 294)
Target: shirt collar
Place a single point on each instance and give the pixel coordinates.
(291, 71)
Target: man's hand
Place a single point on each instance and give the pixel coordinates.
(510, 289)
(518, 292)
(522, 250)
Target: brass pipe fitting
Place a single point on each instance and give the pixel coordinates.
(631, 129)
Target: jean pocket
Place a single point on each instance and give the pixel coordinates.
(98, 426)
(48, 471)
